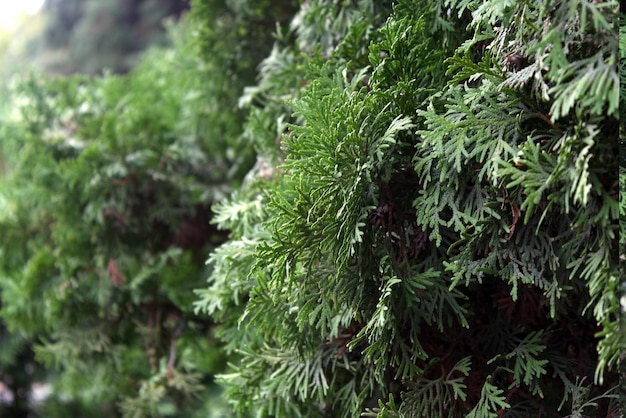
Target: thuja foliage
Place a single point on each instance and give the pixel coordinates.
(431, 228)
(622, 204)
(104, 226)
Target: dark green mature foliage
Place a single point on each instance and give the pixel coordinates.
(622, 206)
(240, 33)
(234, 37)
(104, 224)
(431, 226)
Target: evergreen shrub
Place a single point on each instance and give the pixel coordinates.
(431, 227)
(105, 199)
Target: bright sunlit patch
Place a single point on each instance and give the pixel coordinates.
(12, 10)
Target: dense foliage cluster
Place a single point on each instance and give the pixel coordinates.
(105, 199)
(411, 209)
(104, 206)
(431, 227)
(622, 201)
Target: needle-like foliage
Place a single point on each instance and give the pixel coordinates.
(431, 229)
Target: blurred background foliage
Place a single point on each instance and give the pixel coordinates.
(119, 128)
